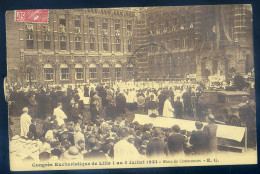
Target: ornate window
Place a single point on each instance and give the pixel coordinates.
(47, 42)
(105, 24)
(105, 44)
(118, 44)
(63, 43)
(92, 71)
(129, 45)
(129, 25)
(78, 43)
(77, 21)
(79, 72)
(91, 22)
(105, 71)
(130, 70)
(29, 41)
(118, 73)
(117, 24)
(64, 72)
(62, 20)
(92, 44)
(48, 72)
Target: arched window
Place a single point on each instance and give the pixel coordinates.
(130, 70)
(118, 69)
(92, 71)
(64, 72)
(79, 72)
(48, 72)
(105, 71)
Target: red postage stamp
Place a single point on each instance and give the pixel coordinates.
(36, 15)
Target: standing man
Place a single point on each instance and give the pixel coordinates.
(168, 110)
(211, 132)
(33, 104)
(25, 122)
(178, 108)
(198, 140)
(176, 142)
(60, 115)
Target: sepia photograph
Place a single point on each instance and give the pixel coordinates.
(130, 87)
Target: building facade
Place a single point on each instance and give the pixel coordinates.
(86, 45)
(76, 46)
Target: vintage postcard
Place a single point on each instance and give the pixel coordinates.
(130, 87)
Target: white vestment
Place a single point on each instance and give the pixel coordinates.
(168, 109)
(25, 122)
(60, 116)
(124, 150)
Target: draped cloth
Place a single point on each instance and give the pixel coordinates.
(25, 122)
(60, 116)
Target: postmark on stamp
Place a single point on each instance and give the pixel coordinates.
(35, 16)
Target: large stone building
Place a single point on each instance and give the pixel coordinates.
(195, 39)
(85, 45)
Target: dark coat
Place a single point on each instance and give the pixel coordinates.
(178, 109)
(211, 132)
(198, 140)
(157, 147)
(120, 104)
(95, 154)
(176, 143)
(32, 128)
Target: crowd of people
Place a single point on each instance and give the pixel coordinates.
(63, 122)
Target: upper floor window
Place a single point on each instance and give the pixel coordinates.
(91, 22)
(62, 20)
(46, 42)
(118, 45)
(77, 21)
(29, 41)
(78, 43)
(63, 44)
(117, 24)
(105, 44)
(92, 44)
(105, 23)
(129, 46)
(129, 25)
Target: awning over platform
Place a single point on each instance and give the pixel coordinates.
(223, 131)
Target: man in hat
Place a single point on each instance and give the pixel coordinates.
(60, 115)
(211, 132)
(198, 139)
(157, 147)
(176, 142)
(72, 154)
(25, 122)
